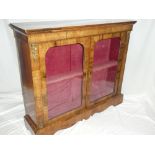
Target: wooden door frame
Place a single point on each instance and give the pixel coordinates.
(42, 49)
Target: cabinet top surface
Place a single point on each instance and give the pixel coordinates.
(31, 26)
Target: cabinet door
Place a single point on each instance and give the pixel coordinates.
(63, 71)
(105, 53)
(64, 74)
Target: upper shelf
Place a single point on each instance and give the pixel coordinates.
(49, 25)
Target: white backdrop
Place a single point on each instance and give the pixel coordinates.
(135, 116)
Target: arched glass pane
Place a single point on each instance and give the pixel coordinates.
(64, 74)
(104, 68)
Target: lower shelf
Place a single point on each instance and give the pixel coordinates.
(70, 119)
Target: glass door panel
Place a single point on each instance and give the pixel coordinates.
(104, 68)
(64, 75)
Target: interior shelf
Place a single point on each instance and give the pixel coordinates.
(62, 77)
(70, 75)
(106, 65)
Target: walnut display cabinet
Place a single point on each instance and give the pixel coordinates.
(70, 69)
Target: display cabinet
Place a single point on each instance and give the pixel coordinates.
(70, 69)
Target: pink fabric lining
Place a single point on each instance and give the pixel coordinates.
(64, 72)
(64, 78)
(105, 67)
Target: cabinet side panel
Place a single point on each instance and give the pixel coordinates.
(26, 77)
